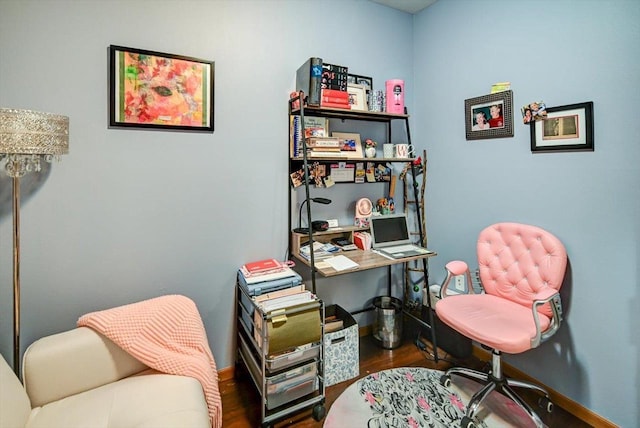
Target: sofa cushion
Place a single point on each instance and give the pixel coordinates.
(143, 401)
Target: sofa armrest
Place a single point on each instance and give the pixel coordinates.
(71, 362)
(14, 403)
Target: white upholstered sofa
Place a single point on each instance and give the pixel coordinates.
(79, 378)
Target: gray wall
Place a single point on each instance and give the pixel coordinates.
(129, 215)
(562, 52)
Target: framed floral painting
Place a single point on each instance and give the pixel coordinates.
(155, 90)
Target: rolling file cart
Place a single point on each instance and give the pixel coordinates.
(282, 351)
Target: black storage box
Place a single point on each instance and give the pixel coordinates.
(448, 339)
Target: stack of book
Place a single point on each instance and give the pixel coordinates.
(333, 98)
(325, 147)
(320, 251)
(334, 86)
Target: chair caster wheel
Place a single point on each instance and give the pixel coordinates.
(319, 412)
(445, 380)
(467, 422)
(546, 404)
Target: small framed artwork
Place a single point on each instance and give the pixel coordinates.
(350, 144)
(357, 97)
(155, 90)
(565, 128)
(489, 116)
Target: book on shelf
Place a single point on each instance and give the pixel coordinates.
(324, 142)
(316, 126)
(309, 80)
(313, 127)
(334, 96)
(335, 93)
(325, 149)
(336, 105)
(333, 100)
(327, 154)
(295, 136)
(334, 76)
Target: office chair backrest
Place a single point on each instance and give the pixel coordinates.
(517, 260)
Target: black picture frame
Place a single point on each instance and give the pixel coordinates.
(361, 80)
(499, 127)
(565, 128)
(161, 91)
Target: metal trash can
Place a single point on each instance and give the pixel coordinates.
(387, 325)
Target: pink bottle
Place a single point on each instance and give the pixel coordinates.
(395, 96)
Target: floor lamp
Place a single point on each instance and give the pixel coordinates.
(26, 139)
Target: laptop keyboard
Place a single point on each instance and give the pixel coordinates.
(400, 248)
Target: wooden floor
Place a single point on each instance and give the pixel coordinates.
(241, 402)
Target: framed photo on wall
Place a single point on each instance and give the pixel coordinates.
(565, 128)
(489, 116)
(155, 90)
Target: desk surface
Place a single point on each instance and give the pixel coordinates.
(365, 259)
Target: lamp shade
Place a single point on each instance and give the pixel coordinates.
(28, 132)
(26, 136)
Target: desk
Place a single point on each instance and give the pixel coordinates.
(365, 259)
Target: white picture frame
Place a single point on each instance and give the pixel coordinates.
(357, 97)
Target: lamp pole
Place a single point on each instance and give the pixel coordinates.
(16, 274)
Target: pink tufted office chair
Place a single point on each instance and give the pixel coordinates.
(521, 269)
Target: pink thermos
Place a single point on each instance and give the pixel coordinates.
(395, 96)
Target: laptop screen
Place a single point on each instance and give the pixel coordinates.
(389, 230)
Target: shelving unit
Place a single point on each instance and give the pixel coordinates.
(288, 381)
(365, 259)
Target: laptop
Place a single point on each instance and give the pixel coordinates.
(390, 236)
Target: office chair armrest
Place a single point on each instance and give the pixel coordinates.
(552, 297)
(455, 268)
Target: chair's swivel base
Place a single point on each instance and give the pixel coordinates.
(502, 385)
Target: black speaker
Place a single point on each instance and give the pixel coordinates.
(319, 225)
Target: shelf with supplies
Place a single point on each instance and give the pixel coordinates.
(311, 166)
(338, 113)
(364, 259)
(353, 160)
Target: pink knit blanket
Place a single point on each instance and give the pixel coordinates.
(165, 333)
